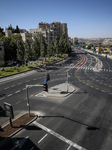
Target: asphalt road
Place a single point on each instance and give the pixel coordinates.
(80, 121)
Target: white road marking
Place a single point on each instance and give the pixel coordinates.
(32, 148)
(68, 147)
(18, 102)
(24, 89)
(2, 98)
(12, 85)
(42, 138)
(27, 81)
(17, 91)
(59, 136)
(31, 95)
(19, 83)
(6, 88)
(35, 79)
(9, 95)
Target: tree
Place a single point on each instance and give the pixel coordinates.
(43, 48)
(10, 46)
(1, 31)
(56, 45)
(1, 35)
(13, 46)
(11, 28)
(35, 49)
(90, 45)
(20, 50)
(61, 43)
(17, 29)
(28, 52)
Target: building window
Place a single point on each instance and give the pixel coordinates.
(0, 49)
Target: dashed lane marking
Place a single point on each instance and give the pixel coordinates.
(17, 91)
(27, 81)
(42, 138)
(18, 102)
(35, 79)
(19, 83)
(59, 136)
(12, 85)
(102, 90)
(6, 88)
(9, 95)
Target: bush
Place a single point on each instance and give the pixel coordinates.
(2, 63)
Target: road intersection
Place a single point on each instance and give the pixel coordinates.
(82, 120)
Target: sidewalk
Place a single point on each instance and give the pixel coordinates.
(58, 91)
(90, 51)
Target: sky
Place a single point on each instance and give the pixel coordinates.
(84, 18)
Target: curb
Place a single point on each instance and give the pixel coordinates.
(16, 73)
(7, 138)
(30, 70)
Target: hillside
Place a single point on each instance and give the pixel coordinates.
(96, 41)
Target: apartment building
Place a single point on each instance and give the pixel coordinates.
(50, 31)
(2, 52)
(38, 30)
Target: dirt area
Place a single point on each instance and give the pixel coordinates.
(16, 124)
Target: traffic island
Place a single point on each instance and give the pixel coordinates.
(17, 125)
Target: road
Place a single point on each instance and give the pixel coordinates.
(80, 121)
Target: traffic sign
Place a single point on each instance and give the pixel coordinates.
(45, 80)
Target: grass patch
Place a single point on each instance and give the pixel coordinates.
(14, 70)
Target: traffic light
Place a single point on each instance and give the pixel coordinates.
(45, 87)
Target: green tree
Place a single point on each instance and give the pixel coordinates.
(11, 28)
(61, 43)
(90, 45)
(56, 45)
(1, 31)
(35, 49)
(10, 46)
(6, 41)
(28, 52)
(43, 48)
(17, 29)
(20, 50)
(1, 35)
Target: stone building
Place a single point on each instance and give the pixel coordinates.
(50, 31)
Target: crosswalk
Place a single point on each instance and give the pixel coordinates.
(81, 67)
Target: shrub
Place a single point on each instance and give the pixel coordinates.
(2, 63)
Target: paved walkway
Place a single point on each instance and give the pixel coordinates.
(58, 91)
(90, 51)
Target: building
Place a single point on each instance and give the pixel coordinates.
(50, 31)
(24, 35)
(27, 36)
(2, 52)
(38, 30)
(8, 33)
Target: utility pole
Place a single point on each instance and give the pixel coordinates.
(67, 82)
(28, 104)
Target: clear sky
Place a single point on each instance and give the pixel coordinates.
(84, 18)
